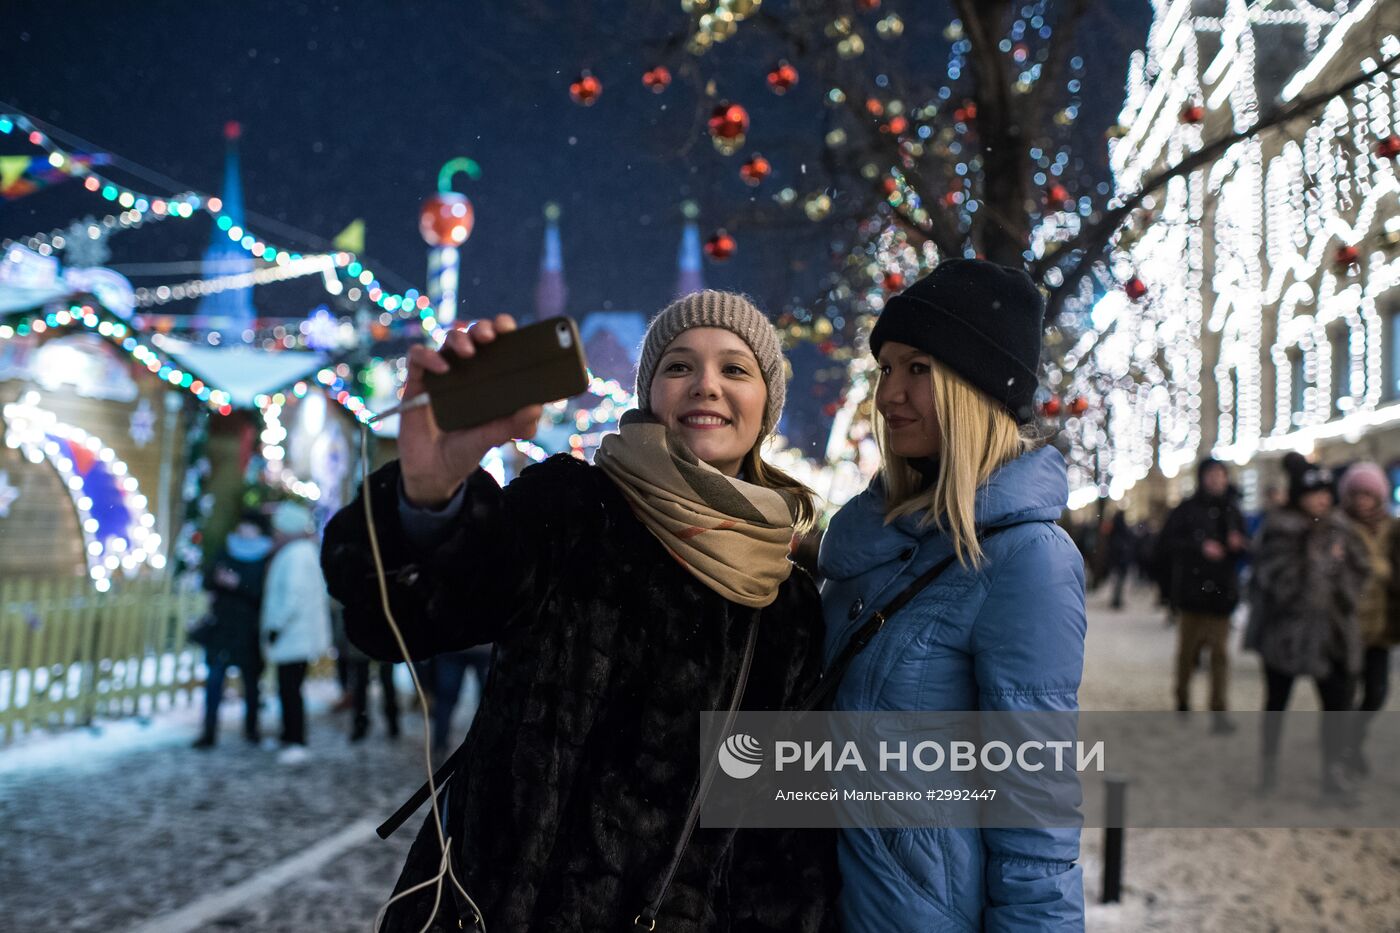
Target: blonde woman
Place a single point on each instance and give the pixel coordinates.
(622, 599)
(1001, 628)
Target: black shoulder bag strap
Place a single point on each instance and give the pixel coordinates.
(411, 805)
(821, 693)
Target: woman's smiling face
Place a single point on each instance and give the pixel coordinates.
(709, 390)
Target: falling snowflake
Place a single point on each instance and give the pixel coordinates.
(143, 424)
(8, 493)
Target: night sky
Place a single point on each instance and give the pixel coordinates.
(349, 110)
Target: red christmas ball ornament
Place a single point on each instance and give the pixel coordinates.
(1079, 405)
(892, 281)
(446, 219)
(728, 125)
(1135, 288)
(720, 246)
(1051, 406)
(782, 78)
(1193, 113)
(657, 79)
(1346, 255)
(755, 170)
(874, 107)
(1057, 195)
(896, 126)
(586, 89)
(1388, 148)
(889, 186)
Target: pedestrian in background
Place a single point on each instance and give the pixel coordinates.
(353, 671)
(1122, 549)
(296, 620)
(1310, 568)
(1365, 494)
(230, 636)
(442, 676)
(1201, 545)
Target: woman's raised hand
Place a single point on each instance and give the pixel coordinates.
(436, 462)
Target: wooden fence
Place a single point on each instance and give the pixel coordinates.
(69, 654)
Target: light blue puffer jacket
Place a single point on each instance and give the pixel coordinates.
(1007, 636)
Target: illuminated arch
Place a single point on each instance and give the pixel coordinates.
(118, 528)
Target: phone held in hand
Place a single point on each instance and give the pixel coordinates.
(539, 363)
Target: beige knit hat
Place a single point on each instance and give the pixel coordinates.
(734, 313)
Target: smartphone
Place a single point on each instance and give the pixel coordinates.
(539, 363)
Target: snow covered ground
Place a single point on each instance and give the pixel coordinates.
(1207, 880)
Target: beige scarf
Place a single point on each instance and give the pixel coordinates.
(732, 535)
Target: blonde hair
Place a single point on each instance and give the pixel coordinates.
(762, 473)
(976, 437)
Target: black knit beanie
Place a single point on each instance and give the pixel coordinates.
(981, 320)
(1305, 477)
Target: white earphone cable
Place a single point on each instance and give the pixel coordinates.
(445, 871)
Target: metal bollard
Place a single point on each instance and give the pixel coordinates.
(1116, 791)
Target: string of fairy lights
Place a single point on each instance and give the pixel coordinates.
(140, 207)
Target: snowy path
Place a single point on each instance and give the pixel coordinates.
(135, 831)
(1219, 880)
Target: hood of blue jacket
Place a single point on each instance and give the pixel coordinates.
(1033, 487)
(247, 550)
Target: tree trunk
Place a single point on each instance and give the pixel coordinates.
(1001, 225)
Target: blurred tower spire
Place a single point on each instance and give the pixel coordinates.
(551, 294)
(690, 276)
(230, 310)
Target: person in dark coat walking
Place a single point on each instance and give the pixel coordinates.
(622, 598)
(1201, 544)
(1310, 568)
(1122, 551)
(235, 582)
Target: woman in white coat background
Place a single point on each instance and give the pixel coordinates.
(296, 618)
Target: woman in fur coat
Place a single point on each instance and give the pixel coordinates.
(623, 598)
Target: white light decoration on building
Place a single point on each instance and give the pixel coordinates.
(1264, 325)
(116, 523)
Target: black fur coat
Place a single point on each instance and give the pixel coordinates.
(584, 754)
